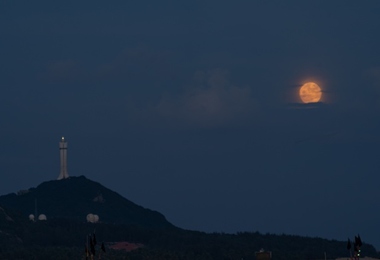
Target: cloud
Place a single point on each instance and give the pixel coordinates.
(211, 100)
(136, 63)
(133, 63)
(374, 75)
(63, 70)
(373, 78)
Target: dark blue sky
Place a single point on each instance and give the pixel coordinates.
(191, 109)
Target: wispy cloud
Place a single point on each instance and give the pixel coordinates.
(64, 70)
(136, 63)
(374, 74)
(211, 100)
(132, 62)
(373, 77)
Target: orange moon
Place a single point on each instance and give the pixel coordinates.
(310, 93)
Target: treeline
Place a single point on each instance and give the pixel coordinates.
(66, 239)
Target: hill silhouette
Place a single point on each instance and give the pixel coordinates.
(67, 202)
(75, 197)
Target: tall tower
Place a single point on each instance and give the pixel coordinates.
(63, 154)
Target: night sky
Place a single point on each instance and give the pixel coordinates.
(191, 108)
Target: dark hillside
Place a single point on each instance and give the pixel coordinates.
(76, 197)
(67, 202)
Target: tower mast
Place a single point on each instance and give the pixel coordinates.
(63, 154)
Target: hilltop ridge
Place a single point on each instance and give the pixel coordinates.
(67, 202)
(76, 197)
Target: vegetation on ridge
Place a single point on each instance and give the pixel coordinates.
(63, 235)
(75, 197)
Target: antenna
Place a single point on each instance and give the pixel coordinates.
(35, 209)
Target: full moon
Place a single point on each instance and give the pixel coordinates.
(310, 93)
